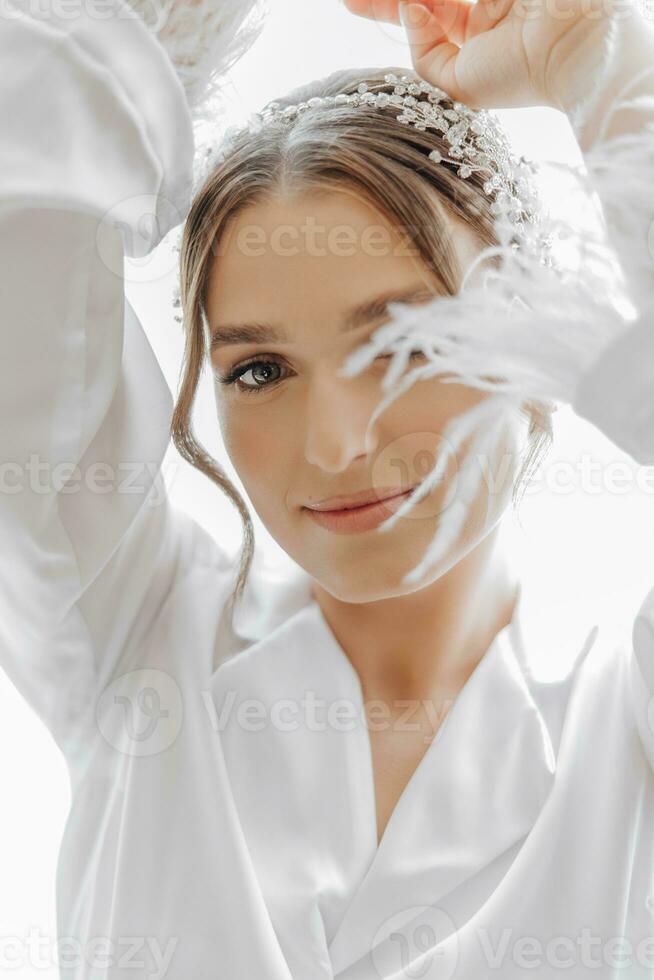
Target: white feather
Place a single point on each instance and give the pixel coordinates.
(203, 40)
(533, 332)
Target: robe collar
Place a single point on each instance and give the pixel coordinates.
(306, 797)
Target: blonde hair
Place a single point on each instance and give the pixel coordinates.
(385, 162)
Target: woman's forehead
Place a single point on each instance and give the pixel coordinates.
(320, 247)
(311, 220)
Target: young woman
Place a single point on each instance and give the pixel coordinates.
(354, 773)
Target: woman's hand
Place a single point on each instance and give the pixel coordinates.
(502, 53)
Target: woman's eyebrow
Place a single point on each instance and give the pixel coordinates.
(266, 333)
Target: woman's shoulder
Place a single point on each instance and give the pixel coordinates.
(560, 639)
(573, 653)
(601, 667)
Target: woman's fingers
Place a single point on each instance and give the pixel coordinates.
(437, 30)
(387, 10)
(452, 12)
(453, 17)
(434, 55)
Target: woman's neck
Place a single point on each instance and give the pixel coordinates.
(418, 645)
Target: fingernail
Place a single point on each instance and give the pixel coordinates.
(414, 15)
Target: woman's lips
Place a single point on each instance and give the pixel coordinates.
(358, 519)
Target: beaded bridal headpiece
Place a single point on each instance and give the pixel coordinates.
(477, 144)
(477, 141)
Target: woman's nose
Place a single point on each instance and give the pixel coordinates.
(338, 411)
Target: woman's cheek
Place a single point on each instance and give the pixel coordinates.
(243, 440)
(256, 448)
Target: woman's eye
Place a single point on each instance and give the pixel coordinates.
(266, 373)
(413, 355)
(263, 376)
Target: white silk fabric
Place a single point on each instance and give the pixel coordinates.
(201, 844)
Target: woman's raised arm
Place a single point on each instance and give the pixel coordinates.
(616, 132)
(96, 163)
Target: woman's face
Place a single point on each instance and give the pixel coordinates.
(310, 277)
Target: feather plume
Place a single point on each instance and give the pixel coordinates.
(533, 330)
(204, 39)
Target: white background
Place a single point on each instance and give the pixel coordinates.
(579, 550)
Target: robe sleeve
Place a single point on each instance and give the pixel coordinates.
(95, 164)
(615, 129)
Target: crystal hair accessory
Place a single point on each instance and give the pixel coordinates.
(476, 140)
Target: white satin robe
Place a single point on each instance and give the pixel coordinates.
(227, 852)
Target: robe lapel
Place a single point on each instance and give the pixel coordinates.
(303, 788)
(295, 760)
(473, 798)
